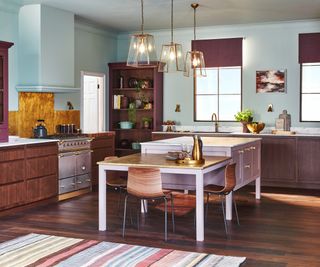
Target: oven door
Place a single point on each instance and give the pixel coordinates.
(83, 162)
(67, 165)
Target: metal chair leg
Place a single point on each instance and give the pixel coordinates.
(165, 219)
(236, 209)
(224, 217)
(207, 206)
(124, 215)
(172, 214)
(138, 214)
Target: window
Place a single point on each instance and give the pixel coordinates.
(219, 92)
(310, 92)
(309, 58)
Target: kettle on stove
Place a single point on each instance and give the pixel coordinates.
(40, 131)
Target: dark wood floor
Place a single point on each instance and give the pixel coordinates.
(282, 229)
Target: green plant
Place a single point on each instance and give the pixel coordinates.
(148, 119)
(132, 113)
(245, 115)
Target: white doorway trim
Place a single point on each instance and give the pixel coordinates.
(102, 109)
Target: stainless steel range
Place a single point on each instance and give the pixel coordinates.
(74, 164)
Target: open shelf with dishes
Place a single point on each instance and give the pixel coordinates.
(135, 105)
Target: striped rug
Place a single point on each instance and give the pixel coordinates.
(47, 250)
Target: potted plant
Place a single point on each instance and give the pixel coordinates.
(244, 117)
(132, 113)
(146, 122)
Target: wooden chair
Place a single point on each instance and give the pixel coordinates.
(115, 180)
(230, 183)
(146, 184)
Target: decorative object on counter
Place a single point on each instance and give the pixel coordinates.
(270, 108)
(194, 62)
(146, 122)
(244, 117)
(286, 120)
(142, 49)
(66, 129)
(197, 155)
(168, 126)
(126, 125)
(178, 109)
(255, 127)
(271, 81)
(40, 130)
(171, 58)
(135, 145)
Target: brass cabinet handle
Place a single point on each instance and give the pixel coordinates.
(241, 151)
(247, 149)
(253, 147)
(247, 166)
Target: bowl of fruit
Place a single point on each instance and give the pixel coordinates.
(255, 127)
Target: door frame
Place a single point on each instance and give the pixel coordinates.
(103, 76)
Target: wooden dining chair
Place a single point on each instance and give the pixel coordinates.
(222, 191)
(116, 181)
(146, 184)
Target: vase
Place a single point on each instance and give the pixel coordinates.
(244, 127)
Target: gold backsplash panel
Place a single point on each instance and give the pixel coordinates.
(34, 106)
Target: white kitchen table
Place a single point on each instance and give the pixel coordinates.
(166, 167)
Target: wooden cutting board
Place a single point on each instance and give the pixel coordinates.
(283, 132)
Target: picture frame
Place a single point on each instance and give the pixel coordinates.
(271, 81)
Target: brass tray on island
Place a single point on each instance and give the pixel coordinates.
(189, 161)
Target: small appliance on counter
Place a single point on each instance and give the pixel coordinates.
(40, 130)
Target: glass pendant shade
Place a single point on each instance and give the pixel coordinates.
(194, 64)
(171, 58)
(142, 50)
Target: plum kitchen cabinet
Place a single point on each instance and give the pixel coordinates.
(4, 46)
(134, 84)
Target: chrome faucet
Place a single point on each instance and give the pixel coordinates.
(215, 118)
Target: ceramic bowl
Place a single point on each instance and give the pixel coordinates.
(255, 127)
(126, 124)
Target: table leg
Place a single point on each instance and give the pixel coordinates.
(199, 207)
(258, 188)
(229, 206)
(144, 206)
(102, 199)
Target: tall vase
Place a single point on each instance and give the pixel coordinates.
(244, 127)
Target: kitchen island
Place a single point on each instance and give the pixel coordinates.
(245, 152)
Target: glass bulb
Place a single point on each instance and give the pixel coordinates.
(150, 47)
(142, 47)
(195, 62)
(172, 55)
(179, 54)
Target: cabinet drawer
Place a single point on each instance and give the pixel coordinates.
(34, 151)
(83, 181)
(44, 166)
(42, 188)
(11, 154)
(67, 185)
(12, 195)
(103, 142)
(11, 171)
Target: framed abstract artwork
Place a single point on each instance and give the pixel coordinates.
(271, 81)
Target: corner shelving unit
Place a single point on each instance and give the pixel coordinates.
(152, 93)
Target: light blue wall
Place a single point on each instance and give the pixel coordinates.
(9, 33)
(266, 46)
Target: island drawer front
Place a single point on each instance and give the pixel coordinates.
(12, 171)
(42, 188)
(41, 150)
(12, 195)
(103, 142)
(11, 154)
(44, 166)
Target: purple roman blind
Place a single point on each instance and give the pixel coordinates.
(220, 52)
(309, 47)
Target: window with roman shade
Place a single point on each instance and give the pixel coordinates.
(219, 92)
(309, 59)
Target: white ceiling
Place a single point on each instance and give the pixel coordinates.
(124, 15)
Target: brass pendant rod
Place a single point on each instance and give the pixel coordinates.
(171, 21)
(194, 6)
(142, 18)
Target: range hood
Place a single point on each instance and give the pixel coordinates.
(46, 50)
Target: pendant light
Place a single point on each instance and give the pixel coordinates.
(142, 49)
(171, 58)
(194, 62)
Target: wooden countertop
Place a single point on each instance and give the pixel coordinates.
(160, 161)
